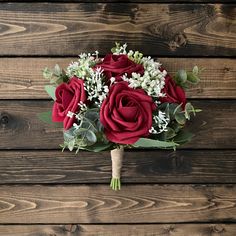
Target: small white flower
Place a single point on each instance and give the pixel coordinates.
(112, 79)
(70, 114)
(76, 126)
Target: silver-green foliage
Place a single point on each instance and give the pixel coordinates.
(56, 75)
(87, 134)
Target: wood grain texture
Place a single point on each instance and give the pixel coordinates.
(127, 1)
(20, 127)
(133, 204)
(27, 167)
(120, 230)
(21, 78)
(166, 29)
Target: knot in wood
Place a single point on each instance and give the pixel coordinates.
(180, 40)
(70, 228)
(4, 119)
(218, 229)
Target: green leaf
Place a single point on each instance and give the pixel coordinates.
(148, 143)
(87, 124)
(98, 147)
(192, 78)
(69, 135)
(92, 115)
(170, 133)
(99, 126)
(181, 76)
(46, 117)
(57, 70)
(47, 74)
(91, 137)
(195, 70)
(51, 91)
(71, 145)
(188, 109)
(179, 115)
(180, 118)
(172, 109)
(183, 136)
(176, 127)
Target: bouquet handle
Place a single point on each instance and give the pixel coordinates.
(116, 158)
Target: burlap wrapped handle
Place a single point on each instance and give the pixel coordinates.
(116, 158)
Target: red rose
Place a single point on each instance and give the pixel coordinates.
(118, 65)
(68, 95)
(126, 114)
(173, 92)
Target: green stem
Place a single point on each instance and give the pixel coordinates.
(115, 184)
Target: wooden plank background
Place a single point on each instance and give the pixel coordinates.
(190, 192)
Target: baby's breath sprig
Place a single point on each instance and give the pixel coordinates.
(153, 79)
(119, 49)
(95, 86)
(84, 66)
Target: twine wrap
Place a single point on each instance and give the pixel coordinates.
(116, 158)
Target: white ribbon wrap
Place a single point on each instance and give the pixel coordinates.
(117, 158)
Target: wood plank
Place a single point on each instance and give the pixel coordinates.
(20, 127)
(166, 29)
(100, 204)
(21, 78)
(120, 230)
(182, 166)
(126, 1)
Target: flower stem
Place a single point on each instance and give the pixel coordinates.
(115, 184)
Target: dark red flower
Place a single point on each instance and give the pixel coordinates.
(118, 65)
(173, 92)
(68, 96)
(126, 114)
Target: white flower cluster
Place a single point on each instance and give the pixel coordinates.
(83, 108)
(120, 49)
(93, 79)
(83, 67)
(95, 86)
(152, 81)
(162, 121)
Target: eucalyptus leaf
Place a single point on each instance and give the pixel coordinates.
(99, 126)
(170, 133)
(98, 147)
(192, 78)
(51, 91)
(91, 137)
(57, 70)
(176, 127)
(92, 115)
(69, 135)
(172, 110)
(181, 76)
(195, 70)
(71, 144)
(87, 124)
(47, 74)
(180, 118)
(151, 143)
(183, 136)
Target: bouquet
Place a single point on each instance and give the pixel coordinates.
(124, 100)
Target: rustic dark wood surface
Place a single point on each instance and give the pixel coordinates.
(121, 230)
(156, 29)
(20, 127)
(99, 204)
(182, 166)
(18, 81)
(44, 192)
